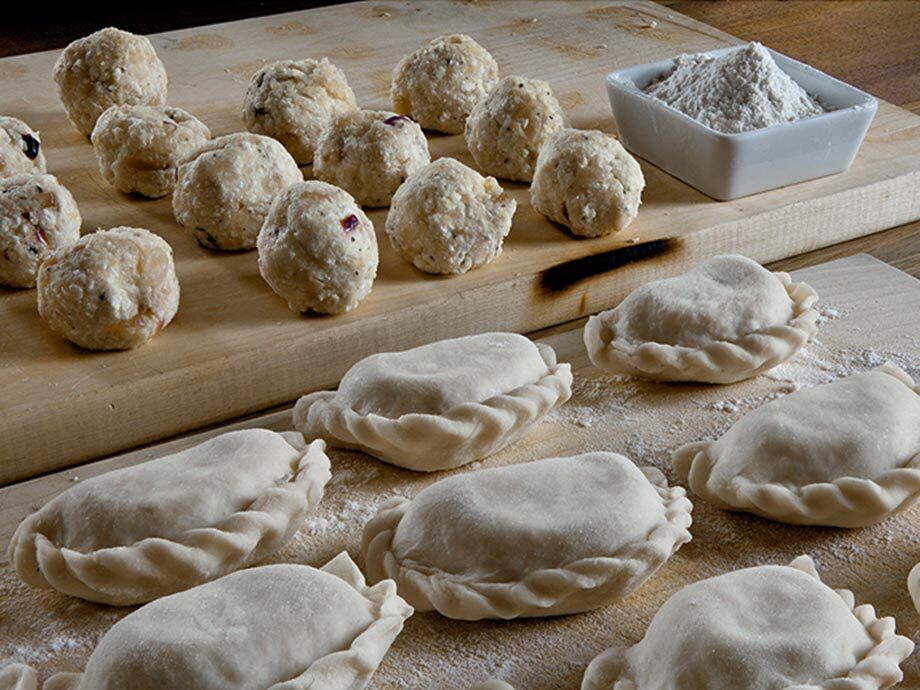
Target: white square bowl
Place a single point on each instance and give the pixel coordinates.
(728, 166)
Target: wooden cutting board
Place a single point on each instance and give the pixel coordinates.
(866, 307)
(235, 349)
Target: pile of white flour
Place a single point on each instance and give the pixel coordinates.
(735, 92)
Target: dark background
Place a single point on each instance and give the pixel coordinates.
(52, 26)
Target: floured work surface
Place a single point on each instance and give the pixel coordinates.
(867, 310)
(234, 347)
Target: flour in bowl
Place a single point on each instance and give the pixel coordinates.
(738, 91)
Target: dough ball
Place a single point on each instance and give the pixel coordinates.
(440, 83)
(447, 218)
(226, 186)
(37, 216)
(294, 100)
(111, 290)
(139, 146)
(587, 181)
(507, 129)
(108, 67)
(369, 153)
(20, 148)
(317, 249)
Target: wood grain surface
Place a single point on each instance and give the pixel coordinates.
(234, 347)
(864, 303)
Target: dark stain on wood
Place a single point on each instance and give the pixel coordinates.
(563, 276)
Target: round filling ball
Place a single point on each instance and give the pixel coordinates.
(507, 129)
(294, 100)
(108, 67)
(447, 218)
(20, 148)
(226, 186)
(37, 215)
(139, 147)
(369, 153)
(439, 84)
(111, 290)
(317, 249)
(588, 182)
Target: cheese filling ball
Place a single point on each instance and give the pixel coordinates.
(294, 100)
(139, 147)
(317, 249)
(439, 84)
(369, 153)
(111, 290)
(587, 181)
(226, 186)
(20, 148)
(447, 218)
(37, 216)
(108, 67)
(507, 129)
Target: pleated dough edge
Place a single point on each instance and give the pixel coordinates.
(722, 361)
(161, 566)
(547, 592)
(845, 502)
(466, 433)
(879, 668)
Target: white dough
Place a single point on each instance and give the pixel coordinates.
(110, 290)
(277, 627)
(726, 320)
(447, 218)
(544, 538)
(108, 67)
(138, 533)
(20, 148)
(18, 677)
(369, 153)
(37, 216)
(764, 628)
(317, 249)
(588, 182)
(493, 684)
(845, 454)
(913, 585)
(226, 187)
(439, 84)
(293, 101)
(507, 129)
(440, 405)
(138, 147)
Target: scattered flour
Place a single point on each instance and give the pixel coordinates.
(736, 92)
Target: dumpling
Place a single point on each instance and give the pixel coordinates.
(276, 627)
(440, 405)
(18, 677)
(544, 538)
(760, 628)
(913, 586)
(138, 533)
(726, 320)
(845, 454)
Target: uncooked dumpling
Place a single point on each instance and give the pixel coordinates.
(137, 533)
(440, 405)
(18, 677)
(764, 628)
(726, 320)
(543, 538)
(277, 627)
(845, 454)
(913, 586)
